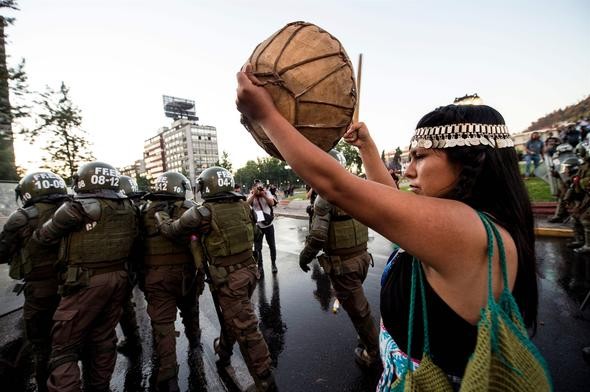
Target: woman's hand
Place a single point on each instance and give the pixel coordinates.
(253, 101)
(358, 135)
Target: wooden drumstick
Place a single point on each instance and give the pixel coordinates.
(359, 71)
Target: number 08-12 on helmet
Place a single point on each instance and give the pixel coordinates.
(96, 177)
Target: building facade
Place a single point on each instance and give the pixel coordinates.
(134, 170)
(185, 147)
(154, 156)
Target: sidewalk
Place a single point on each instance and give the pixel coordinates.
(296, 209)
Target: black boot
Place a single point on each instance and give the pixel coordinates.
(192, 329)
(367, 352)
(130, 345)
(41, 361)
(556, 219)
(170, 385)
(585, 248)
(274, 267)
(265, 382)
(224, 357)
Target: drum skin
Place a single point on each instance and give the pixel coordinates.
(311, 80)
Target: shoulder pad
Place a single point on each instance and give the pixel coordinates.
(31, 211)
(188, 204)
(322, 206)
(91, 208)
(204, 211)
(16, 220)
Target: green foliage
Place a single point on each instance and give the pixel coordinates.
(570, 113)
(224, 162)
(265, 169)
(58, 124)
(143, 183)
(7, 162)
(353, 158)
(19, 89)
(538, 190)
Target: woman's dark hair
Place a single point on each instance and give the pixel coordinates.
(490, 181)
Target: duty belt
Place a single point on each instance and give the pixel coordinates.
(348, 253)
(101, 269)
(41, 273)
(239, 258)
(169, 259)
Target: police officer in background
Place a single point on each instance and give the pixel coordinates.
(171, 278)
(346, 260)
(96, 230)
(580, 198)
(41, 194)
(131, 343)
(226, 225)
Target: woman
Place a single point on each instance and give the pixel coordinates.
(437, 222)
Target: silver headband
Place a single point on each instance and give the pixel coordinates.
(470, 134)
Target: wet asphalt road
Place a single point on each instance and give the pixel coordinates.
(312, 348)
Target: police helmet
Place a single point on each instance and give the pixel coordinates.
(581, 150)
(569, 167)
(564, 147)
(215, 181)
(39, 185)
(96, 176)
(338, 156)
(171, 184)
(129, 186)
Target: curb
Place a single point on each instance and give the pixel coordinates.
(553, 232)
(539, 231)
(291, 215)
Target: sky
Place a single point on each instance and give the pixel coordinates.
(525, 58)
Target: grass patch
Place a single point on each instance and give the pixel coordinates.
(537, 188)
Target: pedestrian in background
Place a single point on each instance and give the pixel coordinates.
(534, 149)
(262, 202)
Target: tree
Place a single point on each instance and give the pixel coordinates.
(353, 159)
(224, 161)
(143, 183)
(58, 124)
(7, 163)
(268, 169)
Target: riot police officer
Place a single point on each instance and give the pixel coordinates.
(171, 278)
(41, 194)
(131, 343)
(96, 230)
(226, 225)
(565, 162)
(346, 261)
(581, 211)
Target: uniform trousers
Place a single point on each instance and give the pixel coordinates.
(241, 321)
(348, 285)
(87, 320)
(41, 301)
(167, 288)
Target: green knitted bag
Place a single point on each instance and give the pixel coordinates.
(504, 358)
